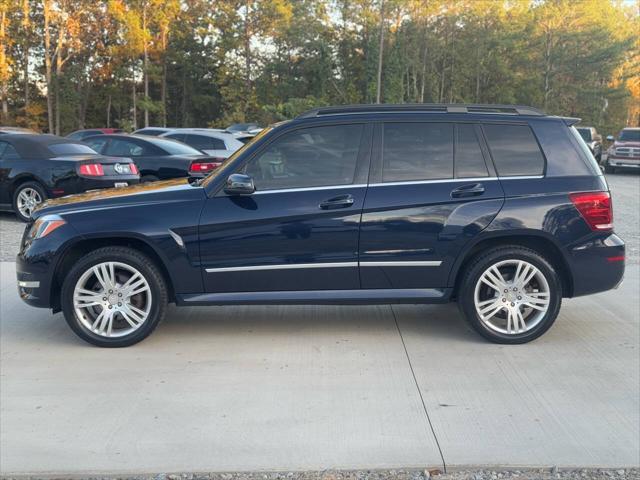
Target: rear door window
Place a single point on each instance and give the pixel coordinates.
(7, 152)
(514, 149)
(469, 161)
(417, 151)
(203, 142)
(124, 148)
(97, 143)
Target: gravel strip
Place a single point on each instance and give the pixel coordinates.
(400, 474)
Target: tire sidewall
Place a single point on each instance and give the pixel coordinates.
(158, 296)
(33, 185)
(476, 270)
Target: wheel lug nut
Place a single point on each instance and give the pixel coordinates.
(519, 297)
(504, 299)
(104, 299)
(110, 307)
(119, 304)
(505, 290)
(512, 304)
(119, 294)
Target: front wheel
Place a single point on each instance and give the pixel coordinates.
(510, 295)
(114, 297)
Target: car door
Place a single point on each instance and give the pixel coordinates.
(432, 190)
(9, 160)
(5, 170)
(299, 230)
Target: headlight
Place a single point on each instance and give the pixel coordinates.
(44, 226)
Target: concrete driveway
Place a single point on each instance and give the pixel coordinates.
(273, 388)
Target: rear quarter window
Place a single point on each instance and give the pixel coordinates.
(565, 151)
(514, 149)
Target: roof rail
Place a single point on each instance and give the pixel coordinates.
(423, 108)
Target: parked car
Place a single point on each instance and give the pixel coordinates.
(245, 137)
(500, 208)
(593, 140)
(151, 131)
(14, 130)
(218, 144)
(34, 168)
(242, 127)
(157, 158)
(625, 150)
(82, 134)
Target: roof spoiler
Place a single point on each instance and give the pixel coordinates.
(570, 121)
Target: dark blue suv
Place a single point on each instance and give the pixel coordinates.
(500, 208)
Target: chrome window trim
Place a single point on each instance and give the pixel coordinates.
(522, 177)
(294, 266)
(439, 180)
(309, 189)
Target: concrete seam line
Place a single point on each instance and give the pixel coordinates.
(415, 380)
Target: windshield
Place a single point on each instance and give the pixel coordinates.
(71, 149)
(629, 136)
(585, 133)
(173, 147)
(224, 169)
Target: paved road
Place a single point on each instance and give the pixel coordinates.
(281, 388)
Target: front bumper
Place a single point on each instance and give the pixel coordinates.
(597, 265)
(34, 281)
(623, 162)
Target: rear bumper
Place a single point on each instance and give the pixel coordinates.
(597, 265)
(83, 184)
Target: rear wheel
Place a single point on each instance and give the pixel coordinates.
(26, 198)
(114, 297)
(510, 295)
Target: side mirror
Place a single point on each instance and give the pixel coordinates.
(610, 138)
(239, 184)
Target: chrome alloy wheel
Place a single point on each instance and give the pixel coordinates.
(512, 297)
(112, 299)
(28, 199)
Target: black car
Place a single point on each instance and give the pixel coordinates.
(593, 140)
(152, 131)
(156, 158)
(500, 208)
(36, 167)
(82, 134)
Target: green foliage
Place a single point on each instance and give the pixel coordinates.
(217, 62)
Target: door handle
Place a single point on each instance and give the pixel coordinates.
(341, 201)
(469, 190)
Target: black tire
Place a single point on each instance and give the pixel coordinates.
(608, 168)
(486, 259)
(145, 266)
(22, 187)
(149, 178)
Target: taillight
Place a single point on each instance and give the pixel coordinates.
(595, 208)
(133, 168)
(203, 167)
(91, 170)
